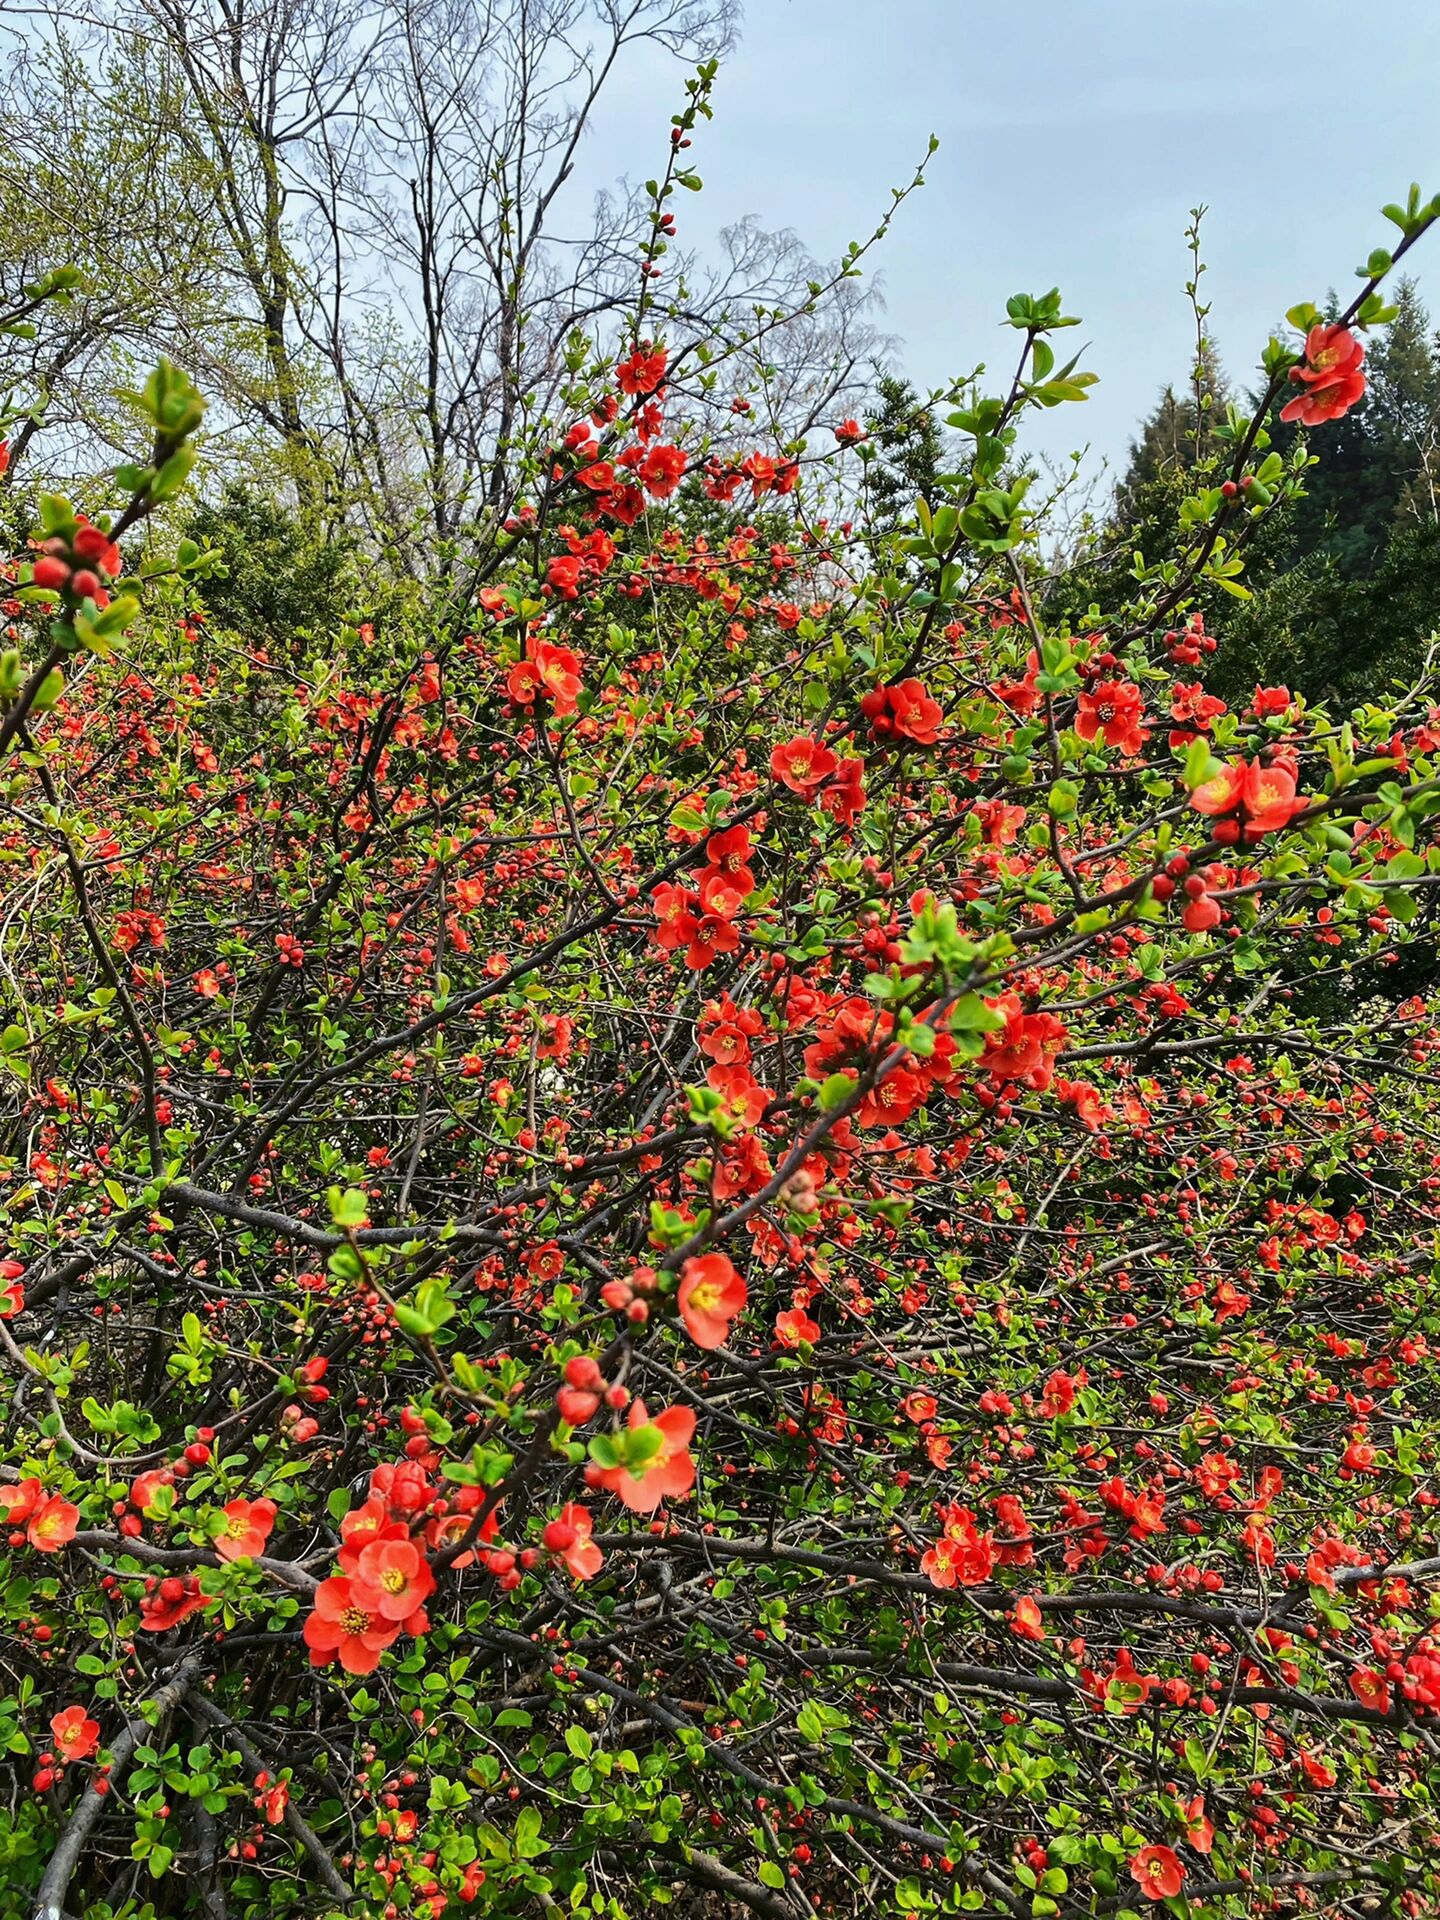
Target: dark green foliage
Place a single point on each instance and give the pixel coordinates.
(909, 450)
(280, 580)
(1346, 581)
(1335, 636)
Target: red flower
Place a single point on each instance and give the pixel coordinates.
(52, 1524)
(1113, 710)
(455, 1526)
(392, 1578)
(667, 1476)
(1024, 1051)
(1222, 792)
(905, 709)
(75, 1737)
(1026, 1619)
(1330, 375)
(569, 1536)
(562, 575)
(273, 1802)
(343, 1626)
(18, 1500)
(729, 853)
(1059, 1395)
(674, 910)
(721, 894)
(545, 1262)
(548, 670)
(961, 1555)
(712, 1293)
(1157, 1872)
(1269, 799)
(247, 1528)
(894, 1100)
(167, 1602)
(1370, 1688)
(844, 798)
(1126, 1689)
(802, 764)
(1199, 1831)
(662, 470)
(711, 935)
(364, 1524)
(642, 371)
(1270, 700)
(794, 1327)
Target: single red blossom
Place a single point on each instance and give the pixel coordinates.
(729, 853)
(1269, 799)
(711, 1295)
(1199, 1831)
(73, 1734)
(892, 1101)
(1157, 1872)
(662, 470)
(273, 1802)
(247, 1525)
(1059, 1395)
(1026, 1619)
(1113, 711)
(53, 1524)
(392, 1578)
(794, 1328)
(843, 797)
(1269, 700)
(668, 1475)
(905, 710)
(708, 934)
(546, 671)
(555, 1037)
(803, 764)
(1222, 792)
(721, 894)
(362, 1525)
(562, 576)
(545, 1262)
(641, 371)
(342, 1626)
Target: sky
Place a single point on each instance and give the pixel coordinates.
(1075, 137)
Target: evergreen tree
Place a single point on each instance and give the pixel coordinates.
(908, 449)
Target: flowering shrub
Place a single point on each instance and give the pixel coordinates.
(731, 1223)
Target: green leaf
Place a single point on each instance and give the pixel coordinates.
(350, 1208)
(835, 1090)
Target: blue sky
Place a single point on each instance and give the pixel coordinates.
(1075, 136)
